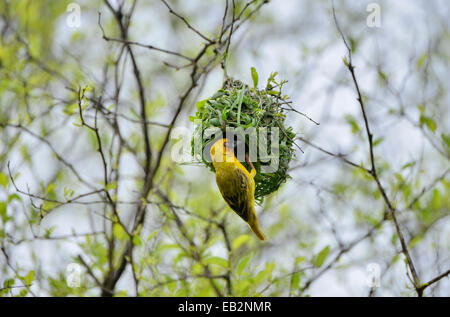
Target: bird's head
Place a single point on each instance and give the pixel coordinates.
(221, 150)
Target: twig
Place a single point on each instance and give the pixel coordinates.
(427, 188)
(373, 171)
(422, 287)
(186, 22)
(339, 156)
(127, 42)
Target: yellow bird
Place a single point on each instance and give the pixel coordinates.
(236, 184)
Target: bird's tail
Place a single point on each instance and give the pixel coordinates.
(254, 225)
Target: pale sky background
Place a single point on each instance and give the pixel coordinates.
(296, 28)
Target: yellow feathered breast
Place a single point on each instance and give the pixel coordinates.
(236, 184)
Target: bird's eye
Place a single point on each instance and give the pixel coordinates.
(225, 144)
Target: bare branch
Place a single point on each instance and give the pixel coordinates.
(186, 22)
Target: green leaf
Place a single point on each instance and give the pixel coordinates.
(344, 59)
(68, 193)
(421, 109)
(3, 215)
(23, 293)
(215, 122)
(3, 180)
(295, 280)
(49, 205)
(137, 240)
(12, 197)
(169, 247)
(353, 124)
(378, 141)
(201, 104)
(152, 235)
(446, 139)
(50, 188)
(415, 241)
(112, 185)
(243, 263)
(217, 261)
(197, 269)
(239, 100)
(322, 256)
(436, 200)
(382, 75)
(254, 77)
(429, 122)
(49, 231)
(270, 266)
(87, 88)
(71, 109)
(240, 241)
(410, 164)
(118, 231)
(262, 275)
(29, 278)
(421, 60)
(224, 114)
(8, 283)
(299, 259)
(273, 92)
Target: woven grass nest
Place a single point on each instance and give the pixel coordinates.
(237, 105)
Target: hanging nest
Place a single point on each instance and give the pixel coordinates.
(237, 105)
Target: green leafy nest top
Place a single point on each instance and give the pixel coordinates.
(239, 106)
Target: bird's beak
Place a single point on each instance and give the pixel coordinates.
(228, 144)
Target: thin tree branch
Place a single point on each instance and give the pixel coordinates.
(373, 171)
(186, 22)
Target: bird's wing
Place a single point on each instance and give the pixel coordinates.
(235, 189)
